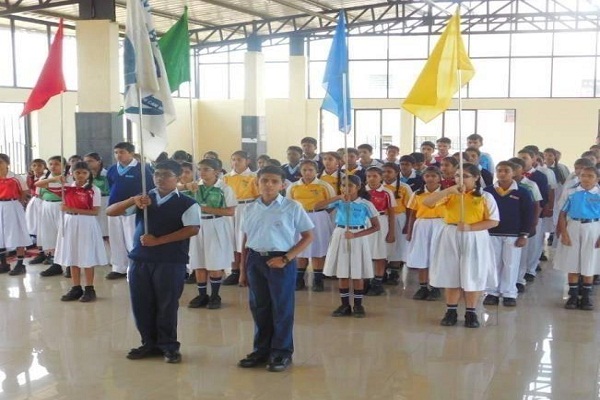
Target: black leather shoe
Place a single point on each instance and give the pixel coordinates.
(19, 269)
(529, 277)
(52, 270)
(279, 364)
(191, 279)
(199, 301)
(318, 286)
(253, 360)
(214, 303)
(89, 295)
(520, 288)
(40, 258)
(173, 357)
(115, 275)
(421, 294)
(491, 300)
(359, 312)
(232, 279)
(67, 273)
(74, 294)
(434, 294)
(471, 320)
(450, 319)
(393, 278)
(342, 311)
(572, 303)
(509, 302)
(144, 351)
(300, 284)
(376, 289)
(585, 303)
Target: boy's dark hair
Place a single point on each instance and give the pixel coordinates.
(170, 165)
(274, 162)
(409, 159)
(508, 164)
(182, 155)
(263, 157)
(296, 149)
(591, 169)
(588, 154)
(128, 147)
(76, 157)
(365, 147)
(162, 157)
(241, 153)
(418, 157)
(533, 148)
(444, 140)
(517, 161)
(187, 165)
(475, 136)
(392, 147)
(309, 139)
(352, 150)
(212, 153)
(271, 169)
(473, 150)
(211, 163)
(5, 158)
(83, 165)
(428, 143)
(525, 150)
(584, 162)
(451, 160)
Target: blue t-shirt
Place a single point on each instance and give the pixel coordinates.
(355, 213)
(583, 204)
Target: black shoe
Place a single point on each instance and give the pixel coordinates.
(279, 364)
(318, 286)
(520, 288)
(551, 239)
(421, 294)
(199, 301)
(359, 312)
(89, 294)
(342, 311)
(232, 279)
(376, 289)
(191, 279)
(113, 275)
(529, 277)
(491, 300)
(572, 302)
(214, 302)
(450, 319)
(509, 302)
(538, 268)
(300, 284)
(144, 351)
(393, 278)
(585, 303)
(434, 294)
(596, 280)
(52, 270)
(172, 357)
(471, 320)
(19, 269)
(67, 273)
(40, 258)
(253, 360)
(74, 294)
(543, 257)
(4, 268)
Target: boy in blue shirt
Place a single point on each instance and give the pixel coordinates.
(159, 259)
(268, 266)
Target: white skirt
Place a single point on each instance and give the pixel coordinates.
(212, 247)
(33, 214)
(80, 243)
(49, 224)
(377, 239)
(424, 242)
(237, 220)
(354, 264)
(398, 251)
(102, 218)
(322, 234)
(13, 227)
(463, 260)
(582, 257)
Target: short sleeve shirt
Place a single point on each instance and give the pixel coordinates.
(354, 213)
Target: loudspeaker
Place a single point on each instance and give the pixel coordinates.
(97, 9)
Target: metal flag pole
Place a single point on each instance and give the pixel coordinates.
(193, 130)
(346, 176)
(142, 157)
(63, 164)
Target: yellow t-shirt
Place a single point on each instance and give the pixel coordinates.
(402, 196)
(244, 185)
(422, 211)
(476, 208)
(310, 194)
(332, 179)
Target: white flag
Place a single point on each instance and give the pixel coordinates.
(145, 69)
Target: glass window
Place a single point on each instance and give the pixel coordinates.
(491, 78)
(368, 129)
(6, 67)
(390, 128)
(451, 127)
(15, 137)
(408, 46)
(575, 43)
(331, 137)
(428, 131)
(276, 53)
(403, 75)
(237, 81)
(70, 62)
(531, 44)
(214, 81)
(573, 77)
(368, 79)
(213, 58)
(497, 127)
(530, 77)
(319, 49)
(31, 54)
(489, 45)
(367, 47)
(316, 71)
(237, 56)
(276, 80)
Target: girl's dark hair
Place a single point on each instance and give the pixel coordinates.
(375, 169)
(396, 169)
(429, 170)
(62, 162)
(83, 165)
(210, 163)
(356, 181)
(451, 160)
(241, 153)
(187, 165)
(311, 163)
(96, 157)
(508, 164)
(336, 155)
(263, 157)
(182, 155)
(162, 157)
(38, 161)
(474, 170)
(5, 158)
(212, 153)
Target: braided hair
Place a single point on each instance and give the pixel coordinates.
(96, 157)
(356, 181)
(336, 155)
(83, 165)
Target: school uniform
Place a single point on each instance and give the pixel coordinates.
(432, 163)
(426, 230)
(13, 227)
(333, 180)
(486, 162)
(383, 200)
(34, 206)
(374, 163)
(292, 174)
(414, 180)
(561, 172)
(398, 251)
(80, 241)
(548, 222)
(124, 182)
(536, 196)
(535, 244)
(245, 187)
(583, 225)
(352, 258)
(51, 215)
(317, 159)
(101, 182)
(515, 206)
(447, 182)
(464, 259)
(212, 248)
(358, 171)
(487, 176)
(271, 231)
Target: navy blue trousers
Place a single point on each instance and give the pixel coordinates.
(155, 289)
(272, 299)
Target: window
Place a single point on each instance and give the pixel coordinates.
(402, 47)
(573, 77)
(531, 44)
(574, 43)
(214, 81)
(367, 47)
(6, 61)
(530, 77)
(70, 62)
(31, 54)
(15, 138)
(489, 45)
(491, 78)
(368, 79)
(403, 75)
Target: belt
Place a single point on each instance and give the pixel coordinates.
(8, 199)
(313, 211)
(586, 220)
(52, 201)
(245, 201)
(352, 227)
(382, 212)
(72, 213)
(210, 216)
(269, 253)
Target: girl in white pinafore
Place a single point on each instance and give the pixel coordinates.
(94, 161)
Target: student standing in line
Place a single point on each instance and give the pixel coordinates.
(309, 149)
(94, 161)
(37, 170)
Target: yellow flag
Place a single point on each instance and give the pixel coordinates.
(438, 82)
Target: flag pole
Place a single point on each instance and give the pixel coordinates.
(193, 129)
(346, 177)
(142, 157)
(62, 159)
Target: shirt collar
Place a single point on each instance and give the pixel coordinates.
(132, 164)
(158, 197)
(439, 188)
(301, 182)
(278, 200)
(316, 158)
(594, 190)
(379, 189)
(513, 185)
(334, 174)
(247, 171)
(217, 183)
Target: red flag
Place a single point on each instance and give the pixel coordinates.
(51, 81)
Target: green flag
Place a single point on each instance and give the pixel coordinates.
(175, 49)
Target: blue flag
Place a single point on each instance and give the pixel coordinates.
(336, 80)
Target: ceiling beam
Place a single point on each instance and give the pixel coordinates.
(174, 17)
(240, 9)
(294, 6)
(12, 9)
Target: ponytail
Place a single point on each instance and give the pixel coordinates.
(339, 181)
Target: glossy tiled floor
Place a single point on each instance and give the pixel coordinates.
(55, 350)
